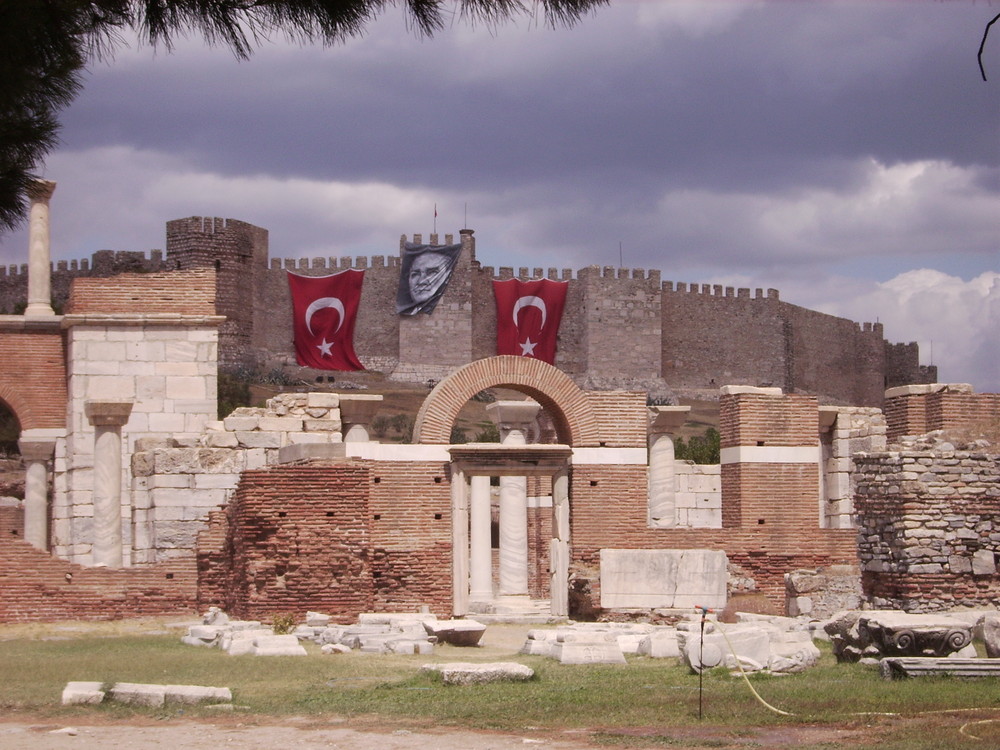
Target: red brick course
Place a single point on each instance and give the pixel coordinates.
(180, 292)
(38, 401)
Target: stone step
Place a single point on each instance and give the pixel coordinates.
(899, 667)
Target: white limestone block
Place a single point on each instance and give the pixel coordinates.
(280, 424)
(462, 673)
(589, 652)
(82, 693)
(241, 423)
(138, 694)
(196, 694)
(259, 439)
(322, 400)
(663, 578)
(661, 644)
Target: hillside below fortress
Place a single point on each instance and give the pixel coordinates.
(622, 328)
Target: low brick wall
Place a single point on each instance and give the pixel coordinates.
(929, 533)
(35, 586)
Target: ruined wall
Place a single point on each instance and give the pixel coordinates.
(918, 409)
(38, 401)
(38, 587)
(929, 536)
(300, 539)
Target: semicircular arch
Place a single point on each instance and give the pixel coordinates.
(553, 389)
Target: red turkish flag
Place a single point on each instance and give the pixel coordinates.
(324, 309)
(528, 317)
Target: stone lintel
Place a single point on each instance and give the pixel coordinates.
(108, 413)
(737, 390)
(140, 319)
(828, 416)
(493, 459)
(667, 419)
(925, 388)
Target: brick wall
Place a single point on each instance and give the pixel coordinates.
(38, 401)
(36, 587)
(188, 293)
(940, 406)
(298, 539)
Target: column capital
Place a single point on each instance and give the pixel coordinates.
(513, 416)
(108, 413)
(667, 419)
(36, 449)
(40, 191)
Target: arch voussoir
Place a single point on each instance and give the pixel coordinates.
(551, 387)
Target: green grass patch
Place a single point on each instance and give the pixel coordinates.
(611, 702)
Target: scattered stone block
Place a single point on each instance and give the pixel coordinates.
(904, 634)
(278, 645)
(660, 645)
(462, 673)
(898, 667)
(589, 652)
(334, 648)
(82, 693)
(456, 632)
(137, 694)
(197, 694)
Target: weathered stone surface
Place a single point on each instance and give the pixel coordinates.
(663, 578)
(589, 652)
(749, 646)
(82, 692)
(660, 645)
(456, 632)
(462, 673)
(197, 694)
(138, 694)
(991, 634)
(894, 668)
(903, 634)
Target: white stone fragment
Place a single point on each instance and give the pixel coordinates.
(82, 693)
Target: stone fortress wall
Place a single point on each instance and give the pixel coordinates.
(622, 328)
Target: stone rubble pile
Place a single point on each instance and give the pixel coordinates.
(376, 633)
(756, 643)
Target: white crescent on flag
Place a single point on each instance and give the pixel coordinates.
(529, 301)
(320, 304)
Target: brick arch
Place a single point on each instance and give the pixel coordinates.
(12, 400)
(33, 378)
(559, 396)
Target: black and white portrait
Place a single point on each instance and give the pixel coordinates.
(424, 275)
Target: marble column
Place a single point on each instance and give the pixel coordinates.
(39, 253)
(559, 550)
(513, 419)
(666, 420)
(460, 542)
(480, 541)
(36, 455)
(108, 417)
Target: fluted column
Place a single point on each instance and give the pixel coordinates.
(662, 491)
(36, 455)
(108, 417)
(480, 542)
(513, 419)
(39, 253)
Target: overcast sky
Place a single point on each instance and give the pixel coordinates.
(845, 154)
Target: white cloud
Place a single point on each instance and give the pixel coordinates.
(955, 322)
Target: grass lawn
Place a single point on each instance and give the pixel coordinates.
(643, 704)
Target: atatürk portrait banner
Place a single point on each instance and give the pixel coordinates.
(424, 275)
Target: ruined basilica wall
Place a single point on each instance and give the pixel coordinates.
(929, 536)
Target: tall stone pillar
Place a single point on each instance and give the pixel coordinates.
(39, 253)
(666, 420)
(480, 541)
(36, 455)
(460, 542)
(513, 418)
(559, 551)
(108, 417)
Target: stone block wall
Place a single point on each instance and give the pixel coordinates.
(698, 498)
(844, 431)
(177, 483)
(929, 535)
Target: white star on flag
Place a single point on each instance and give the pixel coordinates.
(528, 348)
(325, 348)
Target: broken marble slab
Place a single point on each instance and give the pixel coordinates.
(463, 673)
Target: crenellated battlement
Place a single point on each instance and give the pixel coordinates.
(718, 290)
